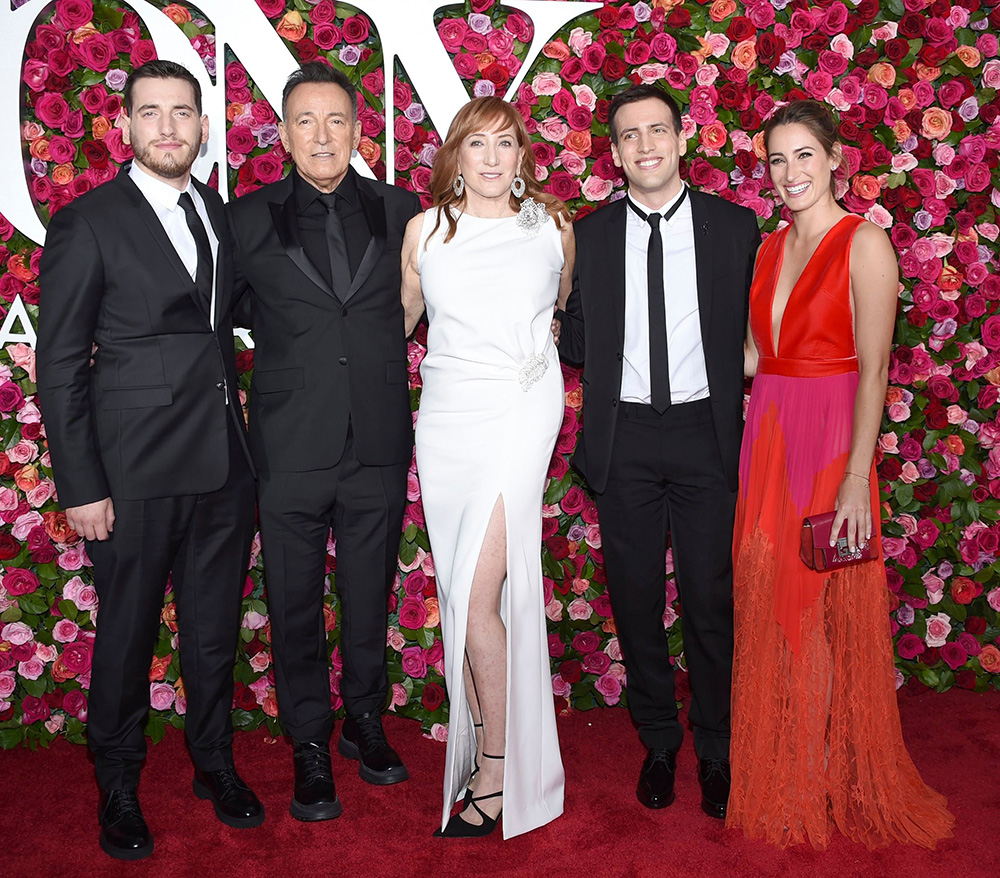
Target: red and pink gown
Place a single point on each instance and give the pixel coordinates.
(816, 739)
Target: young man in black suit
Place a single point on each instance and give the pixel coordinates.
(148, 444)
(658, 315)
(330, 425)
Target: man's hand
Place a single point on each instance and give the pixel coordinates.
(94, 521)
(556, 329)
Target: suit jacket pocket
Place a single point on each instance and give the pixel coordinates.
(135, 397)
(276, 380)
(395, 372)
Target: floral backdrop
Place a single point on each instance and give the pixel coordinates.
(915, 85)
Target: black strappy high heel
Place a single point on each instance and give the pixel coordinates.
(475, 771)
(459, 828)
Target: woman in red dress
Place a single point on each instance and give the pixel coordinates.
(816, 737)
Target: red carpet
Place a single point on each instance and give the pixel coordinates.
(48, 813)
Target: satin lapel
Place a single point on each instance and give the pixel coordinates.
(702, 227)
(156, 230)
(374, 211)
(614, 265)
(286, 224)
(217, 218)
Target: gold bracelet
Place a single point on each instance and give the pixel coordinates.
(857, 476)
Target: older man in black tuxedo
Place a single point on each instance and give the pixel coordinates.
(148, 444)
(330, 425)
(658, 314)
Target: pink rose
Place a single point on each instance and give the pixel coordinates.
(7, 684)
(413, 661)
(74, 13)
(596, 663)
(161, 696)
(938, 629)
(610, 687)
(34, 710)
(32, 669)
(97, 52)
(267, 168)
(579, 610)
(119, 150)
(910, 646)
(586, 641)
(73, 558)
(65, 631)
(52, 109)
(412, 613)
(326, 36)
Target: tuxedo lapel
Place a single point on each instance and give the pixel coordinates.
(614, 265)
(285, 217)
(702, 227)
(374, 211)
(158, 233)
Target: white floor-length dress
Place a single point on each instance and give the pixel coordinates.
(490, 411)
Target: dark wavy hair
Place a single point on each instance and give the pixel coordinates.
(642, 92)
(815, 117)
(160, 69)
(485, 114)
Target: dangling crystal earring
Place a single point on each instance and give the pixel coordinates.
(517, 186)
(458, 187)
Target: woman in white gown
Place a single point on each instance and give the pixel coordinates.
(488, 262)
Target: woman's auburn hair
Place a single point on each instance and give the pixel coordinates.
(485, 114)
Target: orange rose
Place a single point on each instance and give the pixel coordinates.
(965, 590)
(62, 175)
(433, 613)
(949, 279)
(39, 149)
(100, 127)
(892, 395)
(722, 9)
(993, 376)
(176, 13)
(369, 150)
(158, 667)
(744, 55)
(60, 673)
(557, 50)
(179, 688)
(866, 186)
(58, 528)
(168, 615)
(901, 131)
(578, 142)
(907, 98)
(935, 124)
(609, 627)
(291, 27)
(666, 5)
(84, 31)
(329, 617)
(26, 478)
(989, 659)
(969, 55)
(927, 73)
(713, 136)
(484, 59)
(882, 74)
(955, 444)
(759, 149)
(574, 399)
(233, 110)
(17, 267)
(704, 51)
(270, 705)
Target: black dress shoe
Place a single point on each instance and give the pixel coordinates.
(362, 738)
(315, 795)
(235, 803)
(656, 779)
(715, 778)
(124, 834)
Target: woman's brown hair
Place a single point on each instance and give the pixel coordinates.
(814, 116)
(485, 114)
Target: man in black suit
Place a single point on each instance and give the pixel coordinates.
(657, 315)
(330, 425)
(148, 444)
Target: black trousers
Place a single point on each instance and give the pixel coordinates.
(203, 541)
(364, 506)
(666, 476)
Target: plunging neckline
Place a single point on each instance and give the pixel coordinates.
(791, 292)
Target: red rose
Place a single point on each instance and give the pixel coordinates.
(975, 625)
(890, 469)
(244, 698)
(77, 657)
(327, 35)
(244, 361)
(19, 581)
(51, 109)
(570, 671)
(564, 186)
(95, 153)
(614, 68)
(572, 70)
(271, 8)
(267, 168)
(74, 13)
(75, 704)
(607, 16)
(558, 547)
(34, 710)
(323, 12)
(142, 52)
(740, 28)
(240, 139)
(911, 25)
(433, 697)
(9, 547)
(579, 119)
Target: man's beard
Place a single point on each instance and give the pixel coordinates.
(169, 165)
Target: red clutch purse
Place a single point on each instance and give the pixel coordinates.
(818, 554)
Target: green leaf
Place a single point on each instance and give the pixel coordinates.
(33, 603)
(425, 637)
(10, 738)
(11, 614)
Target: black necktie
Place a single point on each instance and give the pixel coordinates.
(659, 366)
(340, 265)
(206, 267)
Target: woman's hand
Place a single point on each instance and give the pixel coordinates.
(853, 505)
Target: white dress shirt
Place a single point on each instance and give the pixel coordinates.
(685, 352)
(163, 198)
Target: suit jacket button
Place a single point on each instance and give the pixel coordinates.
(619, 356)
(221, 385)
(614, 402)
(343, 361)
(343, 312)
